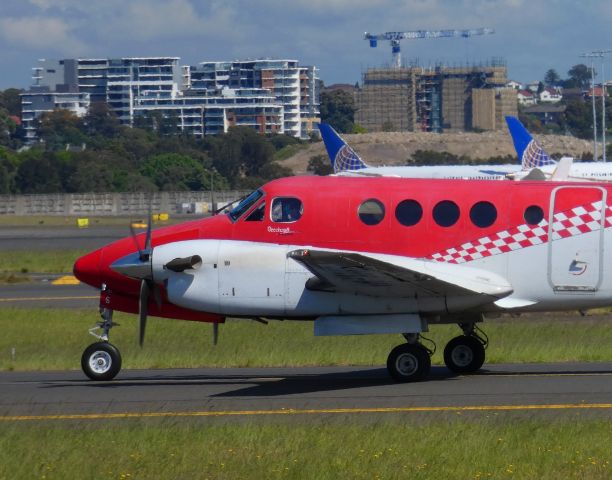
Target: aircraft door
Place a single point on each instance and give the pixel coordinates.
(575, 238)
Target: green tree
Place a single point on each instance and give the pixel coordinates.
(11, 101)
(172, 171)
(552, 78)
(38, 173)
(579, 119)
(8, 128)
(579, 76)
(241, 152)
(59, 128)
(338, 109)
(101, 120)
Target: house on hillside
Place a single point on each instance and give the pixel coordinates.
(514, 84)
(550, 95)
(546, 113)
(526, 97)
(597, 91)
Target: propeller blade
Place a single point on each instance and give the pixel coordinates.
(135, 238)
(215, 333)
(142, 309)
(157, 295)
(147, 248)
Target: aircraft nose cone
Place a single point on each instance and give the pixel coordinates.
(87, 268)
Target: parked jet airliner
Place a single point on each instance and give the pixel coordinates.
(345, 161)
(531, 154)
(367, 256)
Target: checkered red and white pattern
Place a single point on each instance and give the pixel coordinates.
(578, 220)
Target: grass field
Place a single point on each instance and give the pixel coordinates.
(38, 261)
(448, 447)
(38, 339)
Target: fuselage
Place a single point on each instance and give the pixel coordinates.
(550, 241)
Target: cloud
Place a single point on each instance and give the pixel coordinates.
(39, 33)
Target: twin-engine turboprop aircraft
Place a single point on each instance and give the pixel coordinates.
(367, 256)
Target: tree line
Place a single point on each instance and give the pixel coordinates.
(96, 153)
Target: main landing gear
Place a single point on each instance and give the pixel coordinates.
(102, 360)
(466, 353)
(411, 362)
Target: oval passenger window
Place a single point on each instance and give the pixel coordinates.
(408, 212)
(533, 215)
(371, 212)
(446, 213)
(483, 214)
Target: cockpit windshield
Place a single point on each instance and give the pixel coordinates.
(245, 204)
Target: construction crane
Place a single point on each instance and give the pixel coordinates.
(395, 38)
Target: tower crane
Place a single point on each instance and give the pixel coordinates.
(395, 38)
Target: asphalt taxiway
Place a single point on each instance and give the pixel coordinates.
(256, 392)
(43, 292)
(43, 237)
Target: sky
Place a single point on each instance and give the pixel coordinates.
(530, 35)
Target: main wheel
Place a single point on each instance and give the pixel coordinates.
(409, 362)
(101, 361)
(464, 354)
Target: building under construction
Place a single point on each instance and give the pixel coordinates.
(438, 99)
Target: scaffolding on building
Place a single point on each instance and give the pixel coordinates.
(435, 99)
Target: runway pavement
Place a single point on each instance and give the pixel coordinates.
(305, 392)
(42, 293)
(60, 237)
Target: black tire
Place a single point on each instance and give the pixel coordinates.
(101, 361)
(464, 354)
(409, 362)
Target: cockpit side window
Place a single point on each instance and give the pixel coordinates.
(245, 205)
(257, 215)
(286, 209)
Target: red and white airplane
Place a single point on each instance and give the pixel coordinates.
(367, 256)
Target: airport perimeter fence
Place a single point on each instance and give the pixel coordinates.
(116, 204)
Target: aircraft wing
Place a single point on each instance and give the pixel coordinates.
(394, 276)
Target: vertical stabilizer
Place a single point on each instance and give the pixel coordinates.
(528, 150)
(341, 156)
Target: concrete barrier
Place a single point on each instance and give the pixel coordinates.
(111, 204)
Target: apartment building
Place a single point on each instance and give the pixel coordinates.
(272, 96)
(295, 87)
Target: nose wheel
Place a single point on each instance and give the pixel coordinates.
(102, 360)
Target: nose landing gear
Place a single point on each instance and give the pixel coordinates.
(102, 360)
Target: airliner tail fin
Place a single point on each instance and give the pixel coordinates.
(529, 151)
(341, 156)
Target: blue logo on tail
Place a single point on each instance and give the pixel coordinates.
(341, 156)
(529, 151)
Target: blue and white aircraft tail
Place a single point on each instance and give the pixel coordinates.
(343, 158)
(529, 151)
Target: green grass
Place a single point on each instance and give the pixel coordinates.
(399, 447)
(38, 261)
(47, 339)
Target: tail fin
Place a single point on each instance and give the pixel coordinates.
(529, 151)
(341, 156)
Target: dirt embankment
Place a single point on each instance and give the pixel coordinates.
(397, 148)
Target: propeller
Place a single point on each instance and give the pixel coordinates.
(143, 305)
(147, 286)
